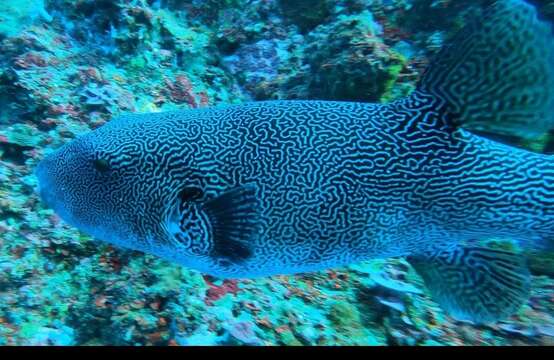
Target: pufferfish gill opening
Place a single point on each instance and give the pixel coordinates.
(294, 186)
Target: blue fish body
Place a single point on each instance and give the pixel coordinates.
(336, 182)
(296, 186)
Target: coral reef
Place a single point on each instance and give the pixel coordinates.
(305, 14)
(16, 15)
(69, 66)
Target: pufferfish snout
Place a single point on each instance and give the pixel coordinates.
(45, 189)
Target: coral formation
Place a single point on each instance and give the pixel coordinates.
(69, 66)
(16, 15)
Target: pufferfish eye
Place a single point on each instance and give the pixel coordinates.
(102, 165)
(191, 193)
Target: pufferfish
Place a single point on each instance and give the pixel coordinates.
(283, 187)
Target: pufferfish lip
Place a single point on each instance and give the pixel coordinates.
(44, 187)
(46, 197)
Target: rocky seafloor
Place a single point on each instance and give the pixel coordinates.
(68, 66)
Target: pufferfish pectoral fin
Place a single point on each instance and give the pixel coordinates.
(223, 228)
(478, 284)
(235, 222)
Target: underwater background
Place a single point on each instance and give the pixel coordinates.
(69, 66)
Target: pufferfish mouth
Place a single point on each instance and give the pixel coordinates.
(53, 198)
(44, 188)
(45, 196)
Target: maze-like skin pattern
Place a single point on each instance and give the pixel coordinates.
(337, 182)
(497, 74)
(476, 283)
(190, 227)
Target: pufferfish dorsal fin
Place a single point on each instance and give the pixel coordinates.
(222, 228)
(235, 222)
(496, 77)
(478, 284)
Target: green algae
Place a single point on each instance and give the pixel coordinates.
(137, 64)
(288, 338)
(306, 14)
(354, 64)
(347, 321)
(344, 315)
(395, 88)
(191, 40)
(541, 262)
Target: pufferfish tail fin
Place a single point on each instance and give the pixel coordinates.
(497, 75)
(478, 284)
